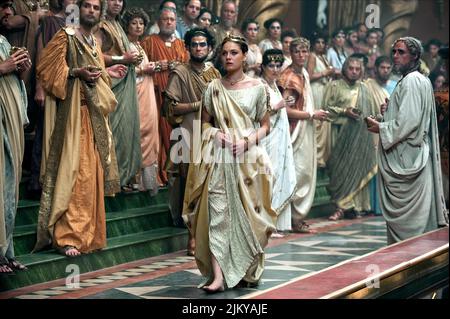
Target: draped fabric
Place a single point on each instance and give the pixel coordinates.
(278, 146)
(13, 105)
(380, 94)
(186, 85)
(303, 144)
(125, 122)
(227, 203)
(267, 44)
(352, 163)
(441, 97)
(26, 37)
(410, 180)
(48, 27)
(323, 128)
(157, 50)
(66, 167)
(148, 116)
(254, 57)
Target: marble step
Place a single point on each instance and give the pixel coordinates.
(27, 212)
(49, 265)
(134, 220)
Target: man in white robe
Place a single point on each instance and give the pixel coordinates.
(409, 179)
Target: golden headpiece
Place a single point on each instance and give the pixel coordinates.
(275, 58)
(234, 38)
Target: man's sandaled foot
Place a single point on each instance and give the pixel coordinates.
(4, 266)
(338, 214)
(5, 269)
(70, 251)
(303, 228)
(16, 265)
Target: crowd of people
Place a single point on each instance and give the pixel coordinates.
(236, 128)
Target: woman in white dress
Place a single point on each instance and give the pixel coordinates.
(273, 27)
(278, 142)
(336, 54)
(250, 29)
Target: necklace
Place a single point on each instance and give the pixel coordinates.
(91, 43)
(232, 83)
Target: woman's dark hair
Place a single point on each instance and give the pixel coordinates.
(336, 32)
(288, 33)
(319, 34)
(272, 55)
(434, 75)
(247, 22)
(195, 32)
(269, 22)
(435, 42)
(132, 13)
(214, 18)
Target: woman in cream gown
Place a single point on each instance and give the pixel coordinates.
(227, 202)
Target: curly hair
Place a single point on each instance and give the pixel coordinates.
(302, 42)
(194, 32)
(133, 13)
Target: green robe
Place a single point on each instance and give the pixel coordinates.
(13, 106)
(125, 119)
(410, 180)
(352, 163)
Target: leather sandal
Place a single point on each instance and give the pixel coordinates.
(5, 268)
(14, 264)
(338, 214)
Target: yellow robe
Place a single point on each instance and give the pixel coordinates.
(72, 209)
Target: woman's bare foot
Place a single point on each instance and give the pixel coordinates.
(215, 286)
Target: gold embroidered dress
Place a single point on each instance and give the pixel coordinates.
(227, 203)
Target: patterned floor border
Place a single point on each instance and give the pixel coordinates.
(145, 269)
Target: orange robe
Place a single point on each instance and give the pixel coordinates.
(289, 80)
(156, 50)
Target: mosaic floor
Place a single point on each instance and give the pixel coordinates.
(175, 276)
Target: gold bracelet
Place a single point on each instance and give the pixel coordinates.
(196, 106)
